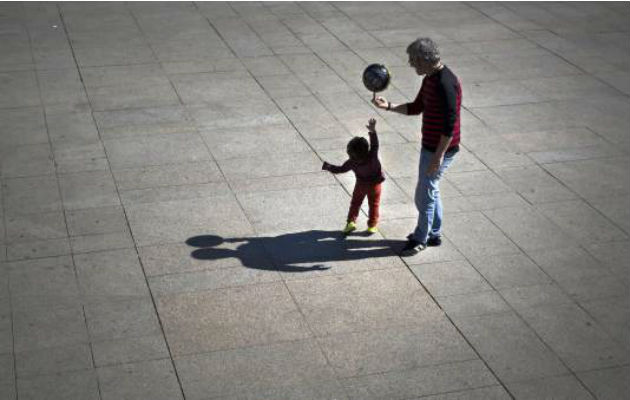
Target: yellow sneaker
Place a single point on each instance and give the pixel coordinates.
(372, 230)
(350, 226)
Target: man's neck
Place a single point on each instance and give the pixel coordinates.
(437, 68)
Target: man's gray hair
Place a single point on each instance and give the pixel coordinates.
(424, 48)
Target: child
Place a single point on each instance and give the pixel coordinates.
(367, 169)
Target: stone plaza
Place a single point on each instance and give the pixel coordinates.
(168, 233)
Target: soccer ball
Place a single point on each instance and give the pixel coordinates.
(376, 77)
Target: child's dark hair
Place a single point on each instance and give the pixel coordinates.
(358, 148)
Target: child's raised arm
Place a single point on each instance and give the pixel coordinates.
(373, 136)
(335, 169)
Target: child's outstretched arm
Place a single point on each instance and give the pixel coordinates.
(371, 126)
(336, 169)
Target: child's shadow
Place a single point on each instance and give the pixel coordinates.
(293, 252)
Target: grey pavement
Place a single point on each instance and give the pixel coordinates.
(167, 232)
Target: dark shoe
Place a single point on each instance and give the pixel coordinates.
(412, 247)
(434, 241)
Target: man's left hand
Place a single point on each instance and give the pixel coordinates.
(434, 167)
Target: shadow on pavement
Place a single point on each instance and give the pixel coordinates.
(288, 251)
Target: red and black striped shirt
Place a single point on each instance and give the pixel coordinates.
(439, 100)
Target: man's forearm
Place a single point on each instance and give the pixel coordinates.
(442, 146)
(398, 108)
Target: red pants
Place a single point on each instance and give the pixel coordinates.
(373, 192)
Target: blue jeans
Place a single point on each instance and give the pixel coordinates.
(427, 198)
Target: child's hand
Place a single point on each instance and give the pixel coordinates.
(371, 125)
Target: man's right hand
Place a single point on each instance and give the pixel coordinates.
(380, 102)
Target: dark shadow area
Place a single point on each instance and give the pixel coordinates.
(286, 252)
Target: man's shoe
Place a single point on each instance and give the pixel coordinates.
(350, 226)
(412, 247)
(434, 241)
(372, 230)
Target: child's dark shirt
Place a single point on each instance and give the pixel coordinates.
(368, 171)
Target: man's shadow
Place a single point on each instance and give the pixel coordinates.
(293, 252)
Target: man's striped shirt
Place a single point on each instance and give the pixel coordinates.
(439, 100)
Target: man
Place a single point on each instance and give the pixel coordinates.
(439, 102)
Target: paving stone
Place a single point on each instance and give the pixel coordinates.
(612, 314)
(167, 175)
(121, 318)
(101, 241)
(201, 254)
(104, 98)
(477, 183)
(71, 386)
(311, 208)
(273, 183)
(473, 304)
(53, 360)
(535, 184)
(38, 249)
(7, 373)
(502, 338)
(529, 229)
(19, 89)
(420, 381)
(568, 263)
(582, 221)
(149, 151)
(205, 321)
(372, 352)
(88, 189)
(134, 123)
(615, 208)
(607, 384)
(263, 166)
(38, 226)
(45, 281)
(464, 229)
(279, 86)
(613, 255)
(591, 178)
(560, 387)
(142, 380)
(40, 328)
(71, 158)
(267, 140)
(72, 128)
(548, 141)
(534, 296)
(330, 309)
(110, 274)
(129, 350)
(486, 393)
(450, 278)
(96, 220)
(504, 271)
(482, 202)
(176, 221)
(27, 160)
(574, 336)
(31, 195)
(214, 87)
(170, 284)
(291, 370)
(229, 113)
(595, 287)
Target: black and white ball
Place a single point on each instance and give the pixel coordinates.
(376, 77)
